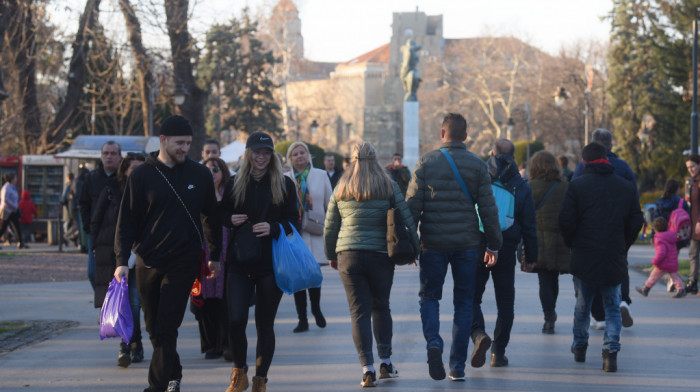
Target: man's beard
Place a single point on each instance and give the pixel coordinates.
(175, 158)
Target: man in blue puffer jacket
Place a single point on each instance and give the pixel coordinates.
(502, 167)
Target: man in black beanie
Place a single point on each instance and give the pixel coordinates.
(159, 221)
(599, 220)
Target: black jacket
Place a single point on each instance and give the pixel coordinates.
(599, 220)
(103, 226)
(504, 169)
(258, 194)
(94, 183)
(335, 177)
(154, 223)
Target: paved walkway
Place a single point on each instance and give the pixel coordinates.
(659, 353)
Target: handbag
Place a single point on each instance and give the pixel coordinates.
(247, 246)
(398, 239)
(294, 266)
(203, 260)
(313, 223)
(116, 319)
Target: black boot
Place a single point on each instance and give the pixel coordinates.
(579, 353)
(124, 359)
(320, 320)
(136, 352)
(609, 361)
(691, 287)
(303, 326)
(549, 319)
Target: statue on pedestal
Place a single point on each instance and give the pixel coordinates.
(409, 71)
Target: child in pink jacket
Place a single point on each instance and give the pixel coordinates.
(665, 260)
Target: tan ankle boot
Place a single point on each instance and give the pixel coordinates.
(258, 384)
(239, 381)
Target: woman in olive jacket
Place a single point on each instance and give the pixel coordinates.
(548, 191)
(356, 245)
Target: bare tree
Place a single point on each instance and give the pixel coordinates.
(182, 54)
(65, 117)
(143, 64)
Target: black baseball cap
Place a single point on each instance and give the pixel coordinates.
(259, 140)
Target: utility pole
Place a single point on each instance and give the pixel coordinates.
(527, 111)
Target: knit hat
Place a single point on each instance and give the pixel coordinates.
(593, 151)
(176, 126)
(259, 140)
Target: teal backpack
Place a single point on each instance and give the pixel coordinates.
(505, 199)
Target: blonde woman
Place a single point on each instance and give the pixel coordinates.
(313, 193)
(355, 239)
(261, 194)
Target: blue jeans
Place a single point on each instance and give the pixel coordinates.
(585, 291)
(433, 268)
(135, 303)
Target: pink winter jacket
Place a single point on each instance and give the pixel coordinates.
(666, 258)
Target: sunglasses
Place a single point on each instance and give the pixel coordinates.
(215, 169)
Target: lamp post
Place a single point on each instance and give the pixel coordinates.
(527, 149)
(179, 94)
(509, 127)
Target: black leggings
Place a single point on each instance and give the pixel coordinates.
(14, 221)
(267, 299)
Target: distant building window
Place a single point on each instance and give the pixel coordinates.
(408, 33)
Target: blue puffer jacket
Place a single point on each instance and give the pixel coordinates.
(504, 169)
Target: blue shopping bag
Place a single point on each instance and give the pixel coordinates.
(115, 316)
(295, 267)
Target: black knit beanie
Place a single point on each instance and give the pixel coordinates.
(176, 126)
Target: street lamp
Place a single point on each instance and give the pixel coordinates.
(179, 94)
(560, 96)
(509, 127)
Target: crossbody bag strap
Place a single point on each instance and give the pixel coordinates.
(459, 179)
(546, 195)
(199, 234)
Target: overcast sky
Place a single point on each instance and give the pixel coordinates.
(339, 30)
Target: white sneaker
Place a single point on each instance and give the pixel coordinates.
(627, 320)
(599, 325)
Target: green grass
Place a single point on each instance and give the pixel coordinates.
(7, 326)
(8, 254)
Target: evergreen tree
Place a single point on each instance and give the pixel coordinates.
(236, 65)
(649, 67)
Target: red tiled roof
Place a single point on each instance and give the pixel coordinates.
(378, 55)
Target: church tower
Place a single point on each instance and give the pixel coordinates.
(286, 30)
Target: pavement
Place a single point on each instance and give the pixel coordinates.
(659, 352)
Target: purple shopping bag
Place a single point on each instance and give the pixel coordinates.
(115, 316)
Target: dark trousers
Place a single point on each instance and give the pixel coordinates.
(164, 292)
(212, 318)
(300, 302)
(367, 278)
(267, 299)
(503, 274)
(549, 291)
(14, 221)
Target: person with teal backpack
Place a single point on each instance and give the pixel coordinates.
(516, 214)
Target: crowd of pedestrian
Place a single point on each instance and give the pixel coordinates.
(164, 222)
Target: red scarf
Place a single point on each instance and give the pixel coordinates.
(601, 160)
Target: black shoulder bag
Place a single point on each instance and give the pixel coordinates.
(398, 239)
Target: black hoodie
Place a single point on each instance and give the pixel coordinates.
(153, 222)
(503, 168)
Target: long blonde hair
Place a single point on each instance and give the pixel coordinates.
(274, 168)
(364, 179)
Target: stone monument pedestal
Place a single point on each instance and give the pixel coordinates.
(411, 135)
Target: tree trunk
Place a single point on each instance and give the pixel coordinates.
(181, 51)
(23, 39)
(143, 64)
(4, 20)
(66, 114)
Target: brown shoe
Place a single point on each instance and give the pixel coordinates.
(239, 381)
(258, 384)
